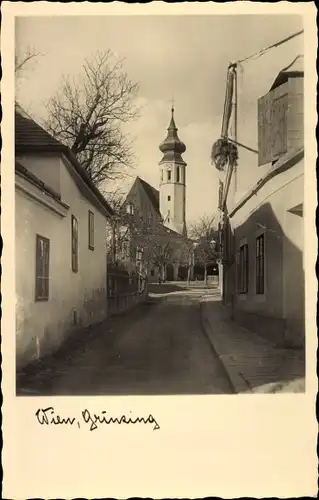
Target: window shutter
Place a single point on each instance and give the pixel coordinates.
(42, 268)
(38, 268)
(46, 268)
(279, 126)
(264, 119)
(295, 118)
(74, 236)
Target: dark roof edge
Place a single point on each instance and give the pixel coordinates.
(76, 165)
(86, 178)
(284, 163)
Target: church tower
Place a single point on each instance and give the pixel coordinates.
(173, 180)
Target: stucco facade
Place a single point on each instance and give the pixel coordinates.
(76, 299)
(262, 226)
(276, 211)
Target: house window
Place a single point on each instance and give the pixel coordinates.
(177, 174)
(243, 269)
(42, 268)
(91, 230)
(130, 208)
(260, 264)
(75, 244)
(169, 175)
(169, 198)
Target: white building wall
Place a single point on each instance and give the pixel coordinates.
(41, 326)
(284, 271)
(46, 167)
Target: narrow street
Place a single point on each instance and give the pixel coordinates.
(161, 348)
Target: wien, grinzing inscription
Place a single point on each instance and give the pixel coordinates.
(47, 416)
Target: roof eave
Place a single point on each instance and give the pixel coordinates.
(64, 150)
(286, 162)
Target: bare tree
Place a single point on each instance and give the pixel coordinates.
(116, 231)
(204, 232)
(23, 59)
(143, 242)
(87, 115)
(161, 254)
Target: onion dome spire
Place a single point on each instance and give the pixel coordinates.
(172, 147)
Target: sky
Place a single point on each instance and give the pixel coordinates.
(181, 56)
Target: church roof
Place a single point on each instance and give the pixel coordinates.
(152, 193)
(172, 147)
(153, 197)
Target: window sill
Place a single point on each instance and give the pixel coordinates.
(41, 299)
(91, 248)
(242, 296)
(260, 297)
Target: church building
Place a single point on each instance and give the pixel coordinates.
(162, 213)
(173, 181)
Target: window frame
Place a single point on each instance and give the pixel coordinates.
(91, 229)
(169, 175)
(260, 264)
(178, 175)
(243, 270)
(45, 291)
(74, 251)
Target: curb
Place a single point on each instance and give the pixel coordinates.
(205, 327)
(237, 381)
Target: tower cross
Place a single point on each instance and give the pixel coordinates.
(173, 102)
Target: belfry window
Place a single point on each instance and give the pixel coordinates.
(169, 175)
(177, 174)
(130, 208)
(182, 176)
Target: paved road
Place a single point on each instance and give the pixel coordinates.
(162, 350)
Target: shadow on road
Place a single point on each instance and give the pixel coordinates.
(165, 288)
(158, 348)
(39, 375)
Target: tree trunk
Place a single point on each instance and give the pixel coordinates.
(205, 275)
(114, 245)
(189, 275)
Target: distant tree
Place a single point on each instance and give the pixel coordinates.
(116, 230)
(87, 115)
(24, 62)
(162, 254)
(23, 59)
(189, 248)
(205, 233)
(141, 242)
